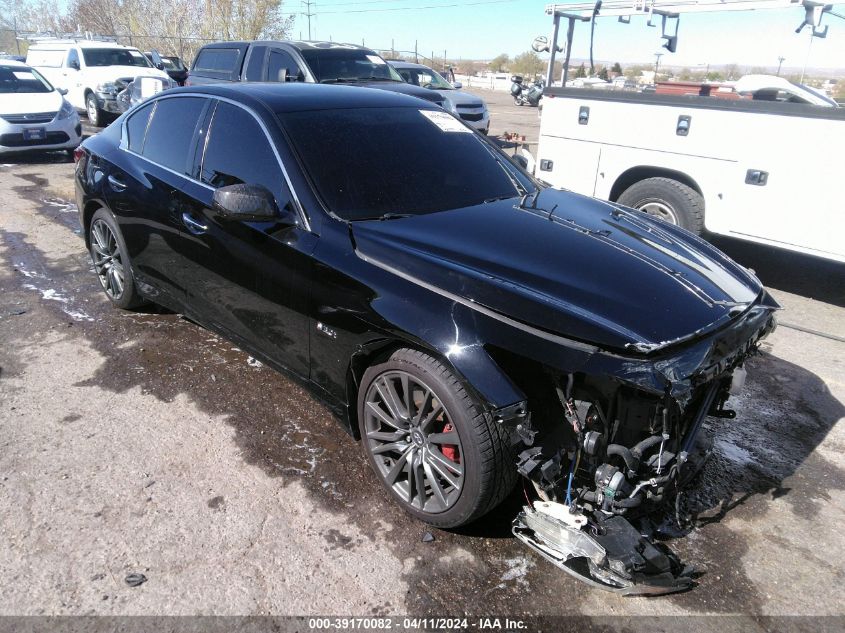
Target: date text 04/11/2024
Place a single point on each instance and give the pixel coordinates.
(422, 623)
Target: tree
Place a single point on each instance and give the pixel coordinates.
(581, 72)
(528, 64)
(617, 68)
(499, 63)
(733, 71)
(171, 26)
(602, 73)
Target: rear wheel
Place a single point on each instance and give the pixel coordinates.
(668, 200)
(429, 443)
(111, 262)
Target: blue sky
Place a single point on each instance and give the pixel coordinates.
(482, 31)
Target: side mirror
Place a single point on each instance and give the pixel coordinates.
(457, 85)
(246, 203)
(62, 91)
(157, 61)
(73, 64)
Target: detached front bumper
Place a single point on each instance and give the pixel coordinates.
(58, 134)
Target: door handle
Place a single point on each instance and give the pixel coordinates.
(197, 228)
(116, 184)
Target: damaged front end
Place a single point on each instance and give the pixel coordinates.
(607, 454)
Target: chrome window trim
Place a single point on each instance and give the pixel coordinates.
(306, 223)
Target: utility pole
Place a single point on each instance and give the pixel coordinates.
(780, 63)
(657, 57)
(308, 13)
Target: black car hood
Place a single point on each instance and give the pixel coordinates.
(571, 265)
(405, 89)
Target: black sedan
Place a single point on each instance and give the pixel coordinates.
(466, 323)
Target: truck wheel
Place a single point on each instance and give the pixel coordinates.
(668, 200)
(430, 444)
(95, 114)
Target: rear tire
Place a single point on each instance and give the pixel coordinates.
(668, 200)
(459, 450)
(111, 261)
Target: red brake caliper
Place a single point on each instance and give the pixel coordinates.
(450, 451)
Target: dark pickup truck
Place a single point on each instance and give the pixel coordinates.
(310, 62)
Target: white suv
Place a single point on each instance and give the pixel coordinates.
(92, 72)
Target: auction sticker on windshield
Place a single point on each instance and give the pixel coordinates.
(376, 59)
(445, 122)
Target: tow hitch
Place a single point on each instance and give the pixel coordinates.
(616, 558)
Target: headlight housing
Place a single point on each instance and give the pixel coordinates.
(66, 110)
(450, 106)
(109, 88)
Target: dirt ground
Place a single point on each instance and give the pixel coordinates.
(141, 443)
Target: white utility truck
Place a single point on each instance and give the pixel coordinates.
(92, 71)
(765, 171)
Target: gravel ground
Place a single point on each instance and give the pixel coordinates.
(141, 443)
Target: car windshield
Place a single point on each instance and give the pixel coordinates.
(425, 77)
(114, 57)
(345, 65)
(368, 163)
(22, 79)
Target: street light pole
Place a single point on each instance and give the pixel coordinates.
(780, 63)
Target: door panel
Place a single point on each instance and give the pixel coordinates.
(248, 278)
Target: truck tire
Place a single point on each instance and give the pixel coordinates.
(96, 116)
(668, 200)
(441, 458)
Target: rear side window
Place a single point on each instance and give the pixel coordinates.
(255, 65)
(171, 132)
(217, 59)
(239, 152)
(136, 127)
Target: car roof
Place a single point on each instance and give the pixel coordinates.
(64, 44)
(12, 62)
(297, 97)
(298, 44)
(401, 64)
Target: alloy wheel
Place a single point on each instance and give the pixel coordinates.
(414, 444)
(108, 261)
(659, 209)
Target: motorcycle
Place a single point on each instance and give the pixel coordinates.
(526, 96)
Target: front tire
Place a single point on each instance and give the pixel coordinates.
(96, 116)
(668, 200)
(441, 458)
(111, 261)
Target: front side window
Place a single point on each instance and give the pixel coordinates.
(426, 78)
(281, 66)
(114, 57)
(348, 65)
(367, 162)
(238, 152)
(20, 79)
(73, 59)
(170, 133)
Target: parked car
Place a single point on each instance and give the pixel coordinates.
(33, 114)
(172, 65)
(90, 70)
(467, 106)
(308, 62)
(469, 324)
